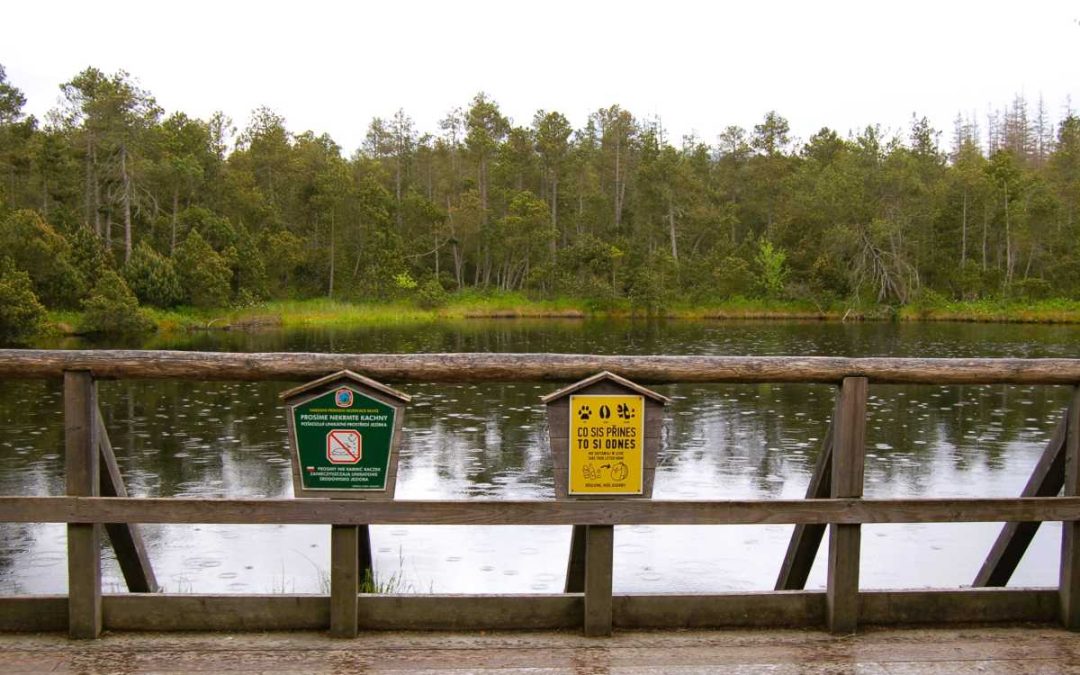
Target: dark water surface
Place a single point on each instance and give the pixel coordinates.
(488, 441)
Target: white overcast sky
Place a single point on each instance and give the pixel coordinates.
(699, 66)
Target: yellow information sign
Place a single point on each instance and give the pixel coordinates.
(607, 445)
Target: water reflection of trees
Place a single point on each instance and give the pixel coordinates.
(191, 438)
(32, 443)
(910, 429)
(31, 462)
(228, 439)
(967, 428)
(481, 440)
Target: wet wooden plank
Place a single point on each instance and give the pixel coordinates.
(649, 654)
(980, 605)
(772, 609)
(485, 512)
(126, 539)
(842, 590)
(474, 612)
(83, 479)
(1069, 586)
(777, 652)
(312, 612)
(599, 559)
(186, 612)
(344, 579)
(485, 367)
(1046, 480)
(724, 610)
(33, 613)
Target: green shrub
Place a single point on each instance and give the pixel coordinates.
(650, 280)
(113, 308)
(245, 298)
(44, 254)
(927, 302)
(772, 269)
(153, 277)
(404, 281)
(204, 275)
(286, 252)
(432, 295)
(250, 282)
(21, 315)
(88, 253)
(216, 230)
(1031, 289)
(733, 277)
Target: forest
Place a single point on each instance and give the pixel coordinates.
(110, 204)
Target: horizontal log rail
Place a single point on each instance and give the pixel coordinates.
(482, 512)
(291, 366)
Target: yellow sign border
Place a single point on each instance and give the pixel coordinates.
(640, 452)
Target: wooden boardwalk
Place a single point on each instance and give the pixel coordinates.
(1023, 649)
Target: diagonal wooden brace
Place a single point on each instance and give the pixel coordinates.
(806, 539)
(126, 539)
(1046, 480)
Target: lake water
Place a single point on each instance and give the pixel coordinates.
(487, 441)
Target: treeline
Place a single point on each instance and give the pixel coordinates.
(109, 189)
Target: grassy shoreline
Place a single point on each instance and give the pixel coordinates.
(326, 313)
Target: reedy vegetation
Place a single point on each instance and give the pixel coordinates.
(613, 213)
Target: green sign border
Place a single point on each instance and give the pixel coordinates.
(397, 412)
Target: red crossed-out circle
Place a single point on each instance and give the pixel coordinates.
(343, 446)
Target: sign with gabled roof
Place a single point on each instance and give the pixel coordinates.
(603, 376)
(344, 431)
(604, 434)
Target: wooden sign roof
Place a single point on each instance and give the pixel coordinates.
(599, 377)
(348, 375)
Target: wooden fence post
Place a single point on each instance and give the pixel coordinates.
(599, 557)
(83, 480)
(849, 440)
(344, 580)
(1069, 589)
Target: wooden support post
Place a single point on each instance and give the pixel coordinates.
(1069, 589)
(344, 579)
(805, 539)
(83, 480)
(127, 541)
(1046, 481)
(575, 566)
(849, 440)
(599, 558)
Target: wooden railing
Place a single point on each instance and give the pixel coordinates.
(834, 500)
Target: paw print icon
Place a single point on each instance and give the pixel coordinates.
(584, 413)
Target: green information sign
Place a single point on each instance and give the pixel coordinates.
(342, 440)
